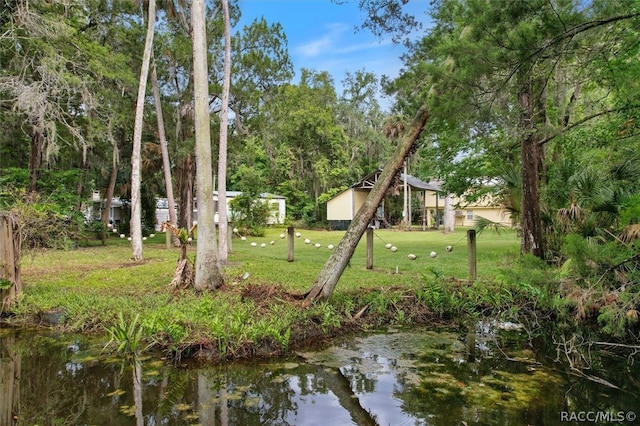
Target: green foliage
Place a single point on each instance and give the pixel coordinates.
(630, 211)
(250, 214)
(5, 284)
(126, 335)
(330, 318)
(603, 275)
(95, 228)
(441, 296)
(43, 223)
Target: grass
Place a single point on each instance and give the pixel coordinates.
(96, 285)
(270, 264)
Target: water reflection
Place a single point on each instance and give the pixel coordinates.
(487, 374)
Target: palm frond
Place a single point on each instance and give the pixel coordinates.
(482, 224)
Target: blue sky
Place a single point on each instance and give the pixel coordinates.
(322, 36)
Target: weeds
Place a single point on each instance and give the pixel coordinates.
(127, 336)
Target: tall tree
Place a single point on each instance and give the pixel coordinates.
(499, 65)
(208, 271)
(223, 219)
(162, 137)
(136, 205)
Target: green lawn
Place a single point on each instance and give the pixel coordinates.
(94, 284)
(269, 264)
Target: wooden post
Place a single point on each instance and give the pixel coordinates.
(9, 261)
(291, 236)
(369, 248)
(471, 245)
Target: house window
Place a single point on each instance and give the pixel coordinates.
(469, 214)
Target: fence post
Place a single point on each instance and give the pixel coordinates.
(369, 248)
(290, 237)
(471, 245)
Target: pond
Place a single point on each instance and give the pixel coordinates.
(489, 373)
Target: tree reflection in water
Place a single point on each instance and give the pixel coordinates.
(483, 375)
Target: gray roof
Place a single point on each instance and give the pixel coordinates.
(368, 181)
(414, 182)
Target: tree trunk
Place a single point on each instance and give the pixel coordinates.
(449, 216)
(208, 274)
(334, 267)
(108, 196)
(136, 205)
(84, 166)
(35, 156)
(532, 239)
(164, 148)
(10, 250)
(185, 188)
(223, 219)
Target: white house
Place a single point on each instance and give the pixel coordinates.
(277, 205)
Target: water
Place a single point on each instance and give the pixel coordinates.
(485, 375)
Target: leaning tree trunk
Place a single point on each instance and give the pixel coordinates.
(164, 148)
(532, 237)
(337, 262)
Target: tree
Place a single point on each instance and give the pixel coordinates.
(504, 72)
(53, 69)
(306, 146)
(208, 273)
(223, 220)
(360, 115)
(136, 209)
(166, 163)
(334, 267)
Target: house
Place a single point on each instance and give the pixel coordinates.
(117, 212)
(277, 205)
(435, 204)
(465, 213)
(342, 207)
(93, 212)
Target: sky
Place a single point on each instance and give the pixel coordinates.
(322, 36)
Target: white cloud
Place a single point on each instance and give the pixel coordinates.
(324, 44)
(359, 47)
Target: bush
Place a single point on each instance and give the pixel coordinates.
(250, 214)
(45, 224)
